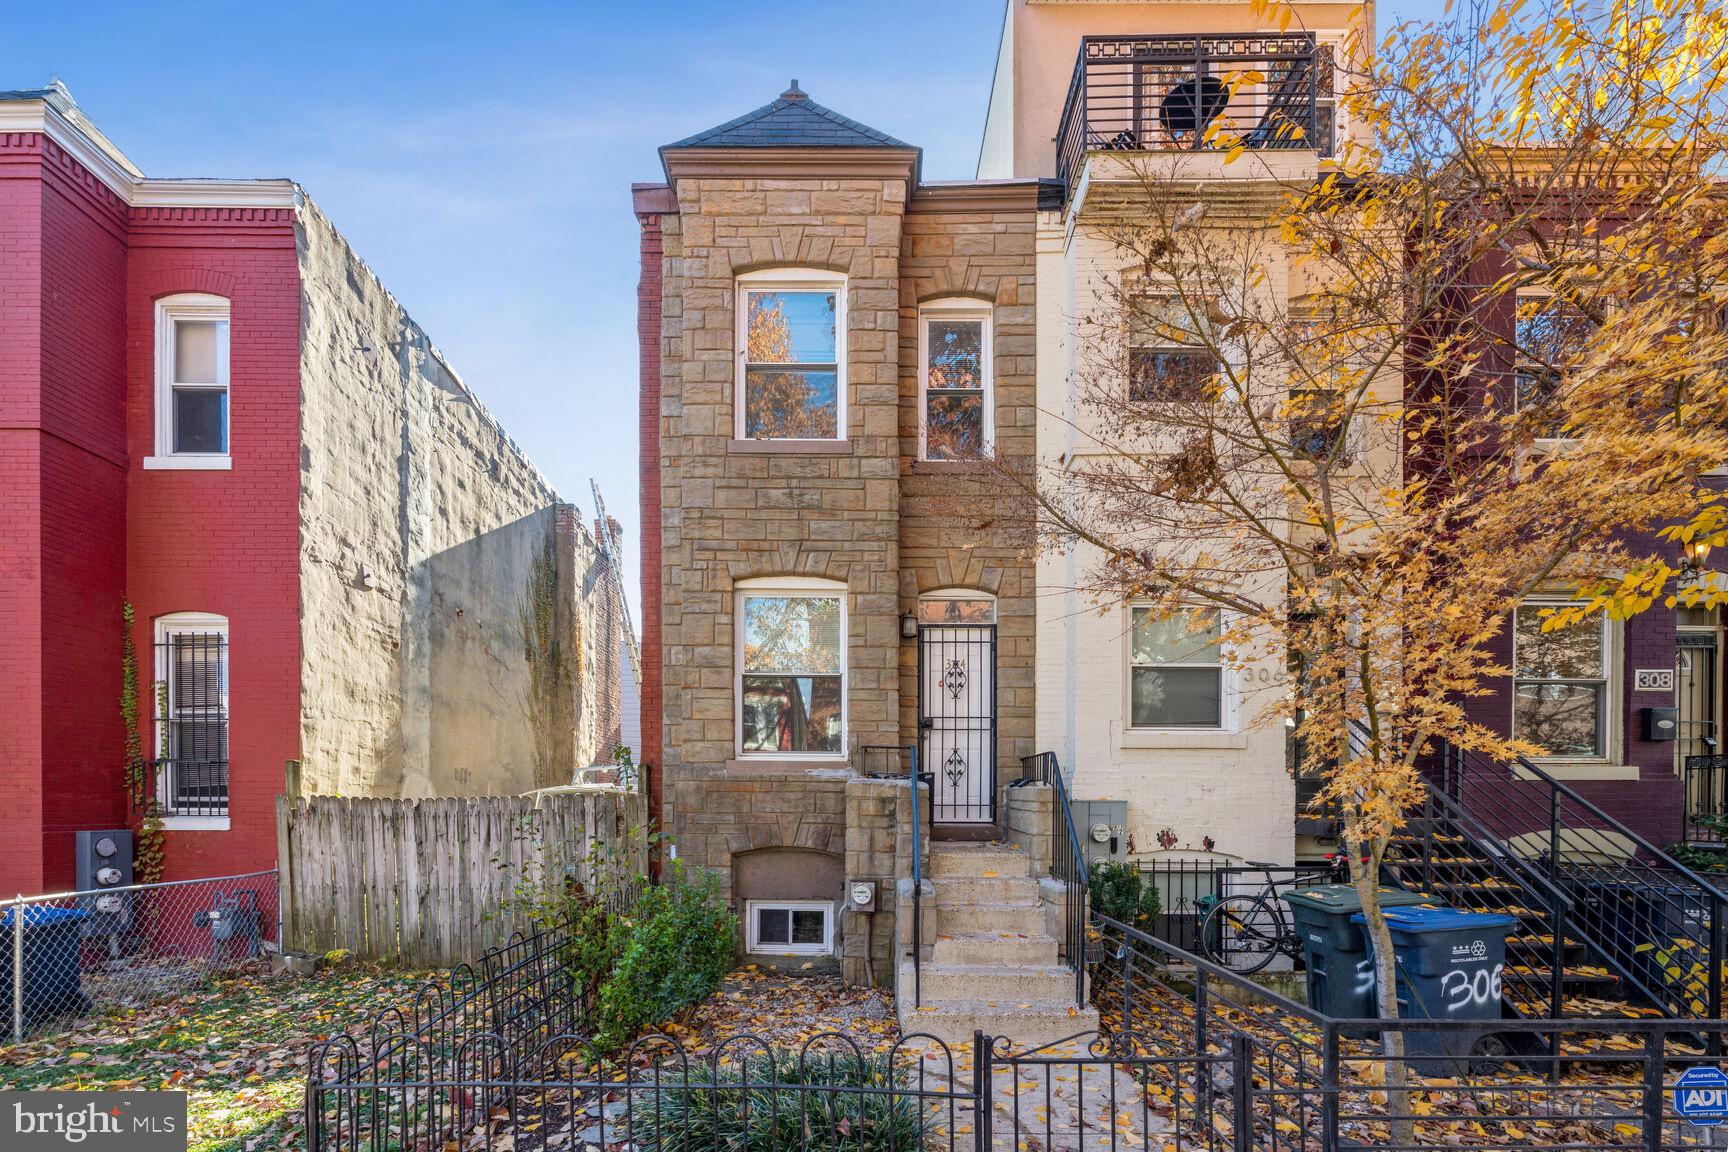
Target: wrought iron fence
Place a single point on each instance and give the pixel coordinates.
(68, 954)
(1187, 889)
(1706, 779)
(1322, 1084)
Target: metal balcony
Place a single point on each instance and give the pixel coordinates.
(1196, 93)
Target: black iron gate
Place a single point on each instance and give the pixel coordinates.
(957, 719)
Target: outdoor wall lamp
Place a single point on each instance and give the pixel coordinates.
(909, 627)
(1693, 555)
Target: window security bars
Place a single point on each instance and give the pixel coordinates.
(192, 724)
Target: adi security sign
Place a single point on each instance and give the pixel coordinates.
(1701, 1096)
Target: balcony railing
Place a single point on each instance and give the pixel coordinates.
(1196, 93)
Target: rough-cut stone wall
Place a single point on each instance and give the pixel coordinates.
(734, 510)
(878, 850)
(447, 608)
(956, 527)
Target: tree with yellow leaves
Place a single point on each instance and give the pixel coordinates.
(1354, 417)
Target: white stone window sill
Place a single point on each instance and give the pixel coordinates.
(188, 463)
(1180, 738)
(194, 823)
(1586, 770)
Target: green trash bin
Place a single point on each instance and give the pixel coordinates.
(1340, 975)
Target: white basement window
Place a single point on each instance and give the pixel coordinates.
(790, 927)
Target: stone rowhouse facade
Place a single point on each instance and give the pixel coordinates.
(367, 543)
(864, 511)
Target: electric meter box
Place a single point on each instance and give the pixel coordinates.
(103, 860)
(1102, 826)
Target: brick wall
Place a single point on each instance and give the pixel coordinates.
(62, 470)
(225, 541)
(652, 202)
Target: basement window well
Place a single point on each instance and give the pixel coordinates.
(790, 927)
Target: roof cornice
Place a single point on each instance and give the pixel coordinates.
(878, 163)
(124, 179)
(978, 196)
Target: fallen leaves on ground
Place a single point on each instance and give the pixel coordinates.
(237, 1047)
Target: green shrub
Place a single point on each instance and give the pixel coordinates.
(1120, 892)
(783, 1119)
(667, 953)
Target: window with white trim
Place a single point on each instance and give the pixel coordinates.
(191, 710)
(192, 362)
(956, 390)
(790, 927)
(1560, 683)
(791, 349)
(1170, 355)
(791, 667)
(1176, 670)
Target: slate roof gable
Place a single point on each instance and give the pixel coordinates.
(792, 121)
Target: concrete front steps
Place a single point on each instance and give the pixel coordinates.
(992, 965)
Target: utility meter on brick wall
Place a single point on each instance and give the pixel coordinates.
(863, 895)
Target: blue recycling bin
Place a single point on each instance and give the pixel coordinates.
(1335, 950)
(53, 966)
(1449, 965)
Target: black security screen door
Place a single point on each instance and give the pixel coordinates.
(957, 718)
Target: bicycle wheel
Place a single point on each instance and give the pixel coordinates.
(1241, 933)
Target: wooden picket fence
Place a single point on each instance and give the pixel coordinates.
(428, 882)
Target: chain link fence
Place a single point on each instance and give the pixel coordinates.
(68, 954)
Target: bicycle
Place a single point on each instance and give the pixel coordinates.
(1244, 932)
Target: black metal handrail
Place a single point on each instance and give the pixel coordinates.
(1193, 93)
(1642, 910)
(1067, 863)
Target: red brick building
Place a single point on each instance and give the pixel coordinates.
(212, 410)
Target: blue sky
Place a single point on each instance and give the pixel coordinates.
(479, 156)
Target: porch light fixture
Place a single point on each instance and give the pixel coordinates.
(909, 626)
(1693, 554)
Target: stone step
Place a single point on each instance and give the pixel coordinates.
(956, 890)
(981, 860)
(1007, 985)
(966, 919)
(994, 948)
(1039, 1022)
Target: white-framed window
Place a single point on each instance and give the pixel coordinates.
(789, 927)
(1176, 673)
(1170, 357)
(791, 667)
(956, 380)
(791, 355)
(1560, 679)
(190, 706)
(192, 361)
